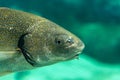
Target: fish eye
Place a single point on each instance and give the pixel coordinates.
(62, 39)
(58, 42)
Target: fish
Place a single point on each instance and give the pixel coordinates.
(29, 41)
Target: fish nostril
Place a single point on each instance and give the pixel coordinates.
(70, 40)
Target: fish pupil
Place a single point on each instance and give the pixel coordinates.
(58, 42)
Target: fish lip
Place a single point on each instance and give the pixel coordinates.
(75, 56)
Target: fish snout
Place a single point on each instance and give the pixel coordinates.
(75, 45)
(80, 46)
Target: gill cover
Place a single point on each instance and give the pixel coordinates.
(25, 52)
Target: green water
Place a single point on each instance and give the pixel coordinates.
(96, 22)
(85, 68)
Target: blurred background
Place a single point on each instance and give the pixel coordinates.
(96, 22)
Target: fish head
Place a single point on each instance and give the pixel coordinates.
(65, 45)
(60, 44)
(50, 44)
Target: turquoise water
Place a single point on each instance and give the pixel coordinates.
(85, 68)
(96, 22)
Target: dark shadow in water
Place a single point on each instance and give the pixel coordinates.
(21, 75)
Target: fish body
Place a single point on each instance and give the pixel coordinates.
(28, 41)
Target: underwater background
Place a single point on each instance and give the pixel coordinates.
(95, 22)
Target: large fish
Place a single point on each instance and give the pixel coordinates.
(28, 41)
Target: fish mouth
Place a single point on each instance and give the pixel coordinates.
(76, 56)
(78, 51)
